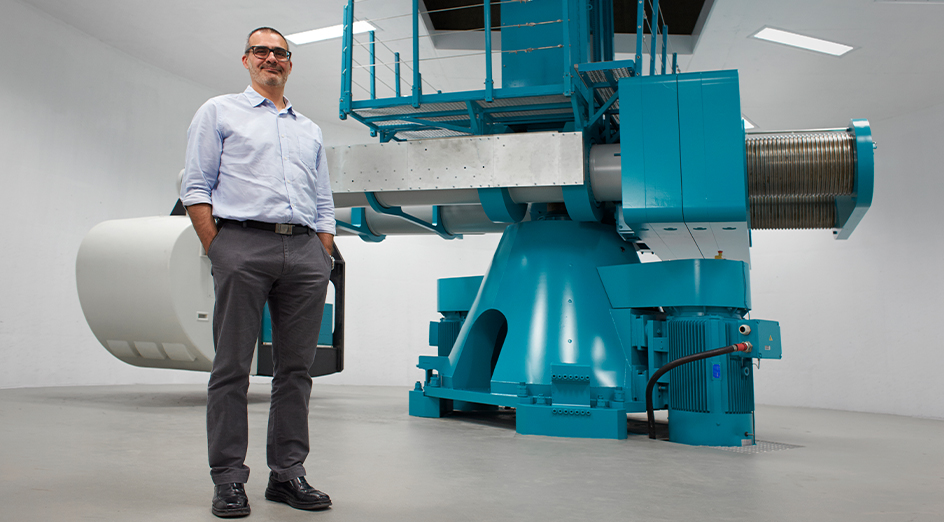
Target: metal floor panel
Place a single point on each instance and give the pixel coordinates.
(762, 446)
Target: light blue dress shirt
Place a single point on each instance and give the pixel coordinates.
(252, 161)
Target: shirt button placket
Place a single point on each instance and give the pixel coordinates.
(284, 122)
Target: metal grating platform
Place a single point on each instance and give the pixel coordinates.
(426, 121)
(523, 102)
(762, 446)
(466, 113)
(406, 109)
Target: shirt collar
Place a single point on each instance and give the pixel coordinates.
(257, 99)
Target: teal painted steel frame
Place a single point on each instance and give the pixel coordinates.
(373, 66)
(851, 209)
(396, 73)
(417, 79)
(579, 27)
(665, 45)
(487, 27)
(706, 283)
(521, 345)
(359, 226)
(435, 226)
(499, 207)
(684, 178)
(347, 57)
(640, 22)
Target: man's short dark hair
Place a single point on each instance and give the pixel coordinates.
(265, 30)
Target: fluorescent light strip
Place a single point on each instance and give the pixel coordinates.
(326, 33)
(803, 42)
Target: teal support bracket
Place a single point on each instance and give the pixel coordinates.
(571, 421)
(851, 209)
(359, 226)
(475, 118)
(499, 207)
(579, 122)
(429, 407)
(436, 225)
(606, 106)
(715, 283)
(580, 203)
(433, 363)
(439, 124)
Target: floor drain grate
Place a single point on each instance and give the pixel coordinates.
(762, 446)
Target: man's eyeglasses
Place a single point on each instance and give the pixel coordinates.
(262, 52)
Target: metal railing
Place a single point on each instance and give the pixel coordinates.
(598, 27)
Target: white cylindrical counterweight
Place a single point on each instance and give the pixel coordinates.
(147, 293)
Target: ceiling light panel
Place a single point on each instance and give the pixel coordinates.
(803, 42)
(326, 33)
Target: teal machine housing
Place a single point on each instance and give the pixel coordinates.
(567, 326)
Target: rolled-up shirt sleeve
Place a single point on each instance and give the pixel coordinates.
(324, 221)
(204, 149)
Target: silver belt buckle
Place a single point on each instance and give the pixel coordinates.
(284, 229)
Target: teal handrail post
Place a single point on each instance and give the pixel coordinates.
(488, 51)
(605, 8)
(596, 24)
(396, 72)
(674, 63)
(654, 32)
(373, 69)
(417, 87)
(347, 60)
(568, 50)
(640, 21)
(665, 44)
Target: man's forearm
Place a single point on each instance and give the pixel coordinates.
(201, 215)
(328, 241)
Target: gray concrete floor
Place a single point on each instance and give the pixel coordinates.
(137, 453)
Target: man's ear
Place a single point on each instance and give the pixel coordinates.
(246, 60)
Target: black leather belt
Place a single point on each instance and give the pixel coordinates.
(278, 228)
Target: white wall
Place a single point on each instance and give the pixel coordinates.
(87, 134)
(859, 317)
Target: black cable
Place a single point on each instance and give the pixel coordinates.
(650, 414)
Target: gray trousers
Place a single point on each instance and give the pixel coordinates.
(250, 267)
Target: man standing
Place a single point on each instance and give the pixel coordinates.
(256, 189)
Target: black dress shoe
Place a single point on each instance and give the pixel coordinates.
(297, 493)
(229, 501)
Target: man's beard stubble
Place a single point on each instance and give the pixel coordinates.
(270, 80)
